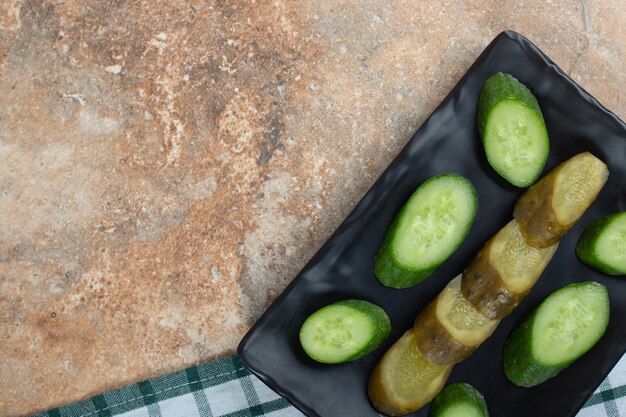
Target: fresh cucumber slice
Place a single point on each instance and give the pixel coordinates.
(427, 230)
(459, 400)
(512, 129)
(565, 326)
(603, 244)
(344, 331)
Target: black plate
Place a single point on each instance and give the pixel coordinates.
(448, 142)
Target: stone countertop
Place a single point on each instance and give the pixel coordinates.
(168, 166)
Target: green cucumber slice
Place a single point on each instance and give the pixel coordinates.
(564, 327)
(344, 331)
(459, 400)
(602, 245)
(512, 129)
(428, 229)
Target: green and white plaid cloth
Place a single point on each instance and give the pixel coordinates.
(226, 388)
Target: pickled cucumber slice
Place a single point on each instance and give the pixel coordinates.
(451, 328)
(503, 272)
(518, 264)
(547, 210)
(404, 381)
(460, 318)
(576, 186)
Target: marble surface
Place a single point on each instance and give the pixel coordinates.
(168, 166)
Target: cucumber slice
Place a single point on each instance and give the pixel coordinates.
(427, 230)
(344, 331)
(602, 246)
(565, 326)
(512, 129)
(459, 400)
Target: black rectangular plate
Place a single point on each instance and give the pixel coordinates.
(449, 142)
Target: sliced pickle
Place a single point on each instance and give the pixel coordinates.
(518, 264)
(450, 328)
(548, 209)
(404, 381)
(576, 186)
(435, 342)
(503, 272)
(481, 285)
(464, 322)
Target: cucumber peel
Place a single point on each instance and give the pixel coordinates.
(602, 245)
(428, 229)
(459, 400)
(344, 331)
(564, 327)
(513, 130)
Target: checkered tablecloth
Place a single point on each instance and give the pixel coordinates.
(225, 388)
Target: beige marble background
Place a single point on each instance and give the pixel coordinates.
(166, 167)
